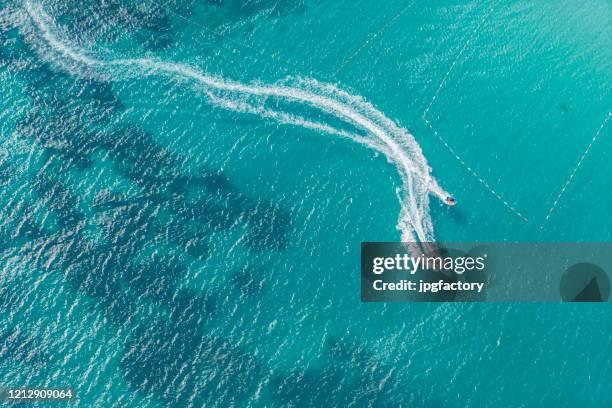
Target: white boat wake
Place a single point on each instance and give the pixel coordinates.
(376, 131)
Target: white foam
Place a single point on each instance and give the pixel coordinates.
(379, 132)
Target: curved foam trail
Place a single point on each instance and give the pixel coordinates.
(381, 133)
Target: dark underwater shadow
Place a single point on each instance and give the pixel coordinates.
(107, 21)
(168, 207)
(18, 346)
(348, 376)
(163, 354)
(63, 108)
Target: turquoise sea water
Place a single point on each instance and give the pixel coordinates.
(159, 250)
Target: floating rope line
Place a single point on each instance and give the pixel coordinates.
(369, 40)
(467, 167)
(465, 46)
(474, 173)
(352, 56)
(575, 170)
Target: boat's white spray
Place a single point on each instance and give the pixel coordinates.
(379, 132)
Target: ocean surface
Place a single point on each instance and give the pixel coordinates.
(186, 184)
